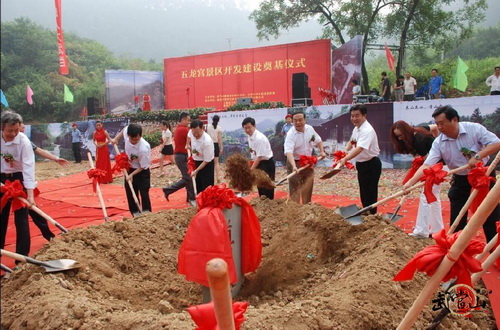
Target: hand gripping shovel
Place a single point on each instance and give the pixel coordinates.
(402, 192)
(125, 176)
(50, 266)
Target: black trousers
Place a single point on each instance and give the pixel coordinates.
(23, 239)
(458, 194)
(77, 152)
(42, 224)
(141, 183)
(269, 167)
(368, 177)
(185, 181)
(205, 177)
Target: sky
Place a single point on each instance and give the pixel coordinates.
(158, 29)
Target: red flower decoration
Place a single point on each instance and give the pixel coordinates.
(121, 162)
(428, 260)
(415, 165)
(191, 165)
(307, 160)
(432, 175)
(338, 155)
(216, 196)
(204, 315)
(479, 180)
(12, 190)
(95, 174)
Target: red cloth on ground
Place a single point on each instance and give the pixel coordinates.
(207, 236)
(102, 160)
(429, 259)
(432, 175)
(415, 165)
(204, 315)
(479, 180)
(307, 160)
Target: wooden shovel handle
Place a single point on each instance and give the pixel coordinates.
(22, 258)
(125, 175)
(98, 189)
(220, 290)
(296, 172)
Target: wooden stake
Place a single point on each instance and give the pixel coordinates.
(98, 189)
(469, 232)
(220, 290)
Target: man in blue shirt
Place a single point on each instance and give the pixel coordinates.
(448, 146)
(76, 139)
(287, 126)
(435, 84)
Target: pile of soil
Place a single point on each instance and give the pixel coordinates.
(317, 272)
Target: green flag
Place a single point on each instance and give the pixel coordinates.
(68, 96)
(460, 80)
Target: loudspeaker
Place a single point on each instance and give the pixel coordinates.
(92, 105)
(304, 102)
(245, 101)
(300, 86)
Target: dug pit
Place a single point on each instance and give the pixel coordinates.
(317, 272)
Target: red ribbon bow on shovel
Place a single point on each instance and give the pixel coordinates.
(12, 190)
(415, 165)
(121, 162)
(338, 155)
(191, 165)
(95, 174)
(428, 260)
(481, 182)
(307, 160)
(432, 175)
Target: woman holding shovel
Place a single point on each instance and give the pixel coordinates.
(418, 141)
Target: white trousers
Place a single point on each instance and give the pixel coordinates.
(429, 216)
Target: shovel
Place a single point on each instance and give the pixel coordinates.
(333, 172)
(5, 268)
(402, 192)
(394, 216)
(295, 173)
(50, 266)
(125, 175)
(350, 209)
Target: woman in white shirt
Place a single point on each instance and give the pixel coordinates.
(166, 147)
(215, 132)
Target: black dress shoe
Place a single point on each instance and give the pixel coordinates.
(165, 192)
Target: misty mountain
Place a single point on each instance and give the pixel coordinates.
(156, 29)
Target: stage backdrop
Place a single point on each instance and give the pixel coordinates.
(123, 85)
(263, 74)
(346, 66)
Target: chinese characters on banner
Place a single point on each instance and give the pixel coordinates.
(63, 60)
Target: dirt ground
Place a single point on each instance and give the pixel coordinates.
(317, 272)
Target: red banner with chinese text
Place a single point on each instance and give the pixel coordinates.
(263, 74)
(63, 60)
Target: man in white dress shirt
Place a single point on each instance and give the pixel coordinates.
(261, 153)
(301, 140)
(202, 148)
(17, 163)
(363, 148)
(138, 151)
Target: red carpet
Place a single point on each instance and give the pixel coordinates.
(71, 202)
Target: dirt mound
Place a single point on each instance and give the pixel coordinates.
(317, 272)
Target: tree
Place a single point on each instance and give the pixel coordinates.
(476, 116)
(416, 21)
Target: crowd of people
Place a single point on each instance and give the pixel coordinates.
(194, 150)
(405, 87)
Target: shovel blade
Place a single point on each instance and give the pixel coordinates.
(393, 217)
(346, 211)
(60, 265)
(330, 174)
(280, 182)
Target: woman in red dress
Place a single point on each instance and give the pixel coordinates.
(102, 161)
(146, 105)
